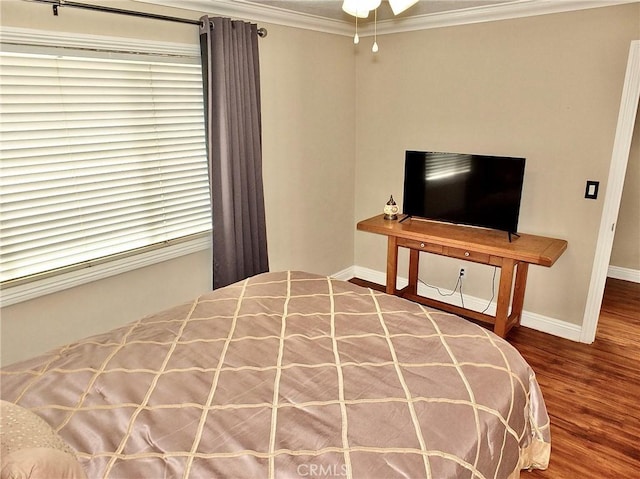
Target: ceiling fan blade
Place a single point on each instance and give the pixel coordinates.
(399, 6)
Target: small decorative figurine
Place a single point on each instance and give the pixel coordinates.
(391, 210)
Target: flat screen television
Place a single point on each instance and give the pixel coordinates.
(468, 189)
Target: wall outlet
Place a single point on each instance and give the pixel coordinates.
(461, 273)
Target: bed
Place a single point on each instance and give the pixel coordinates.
(290, 375)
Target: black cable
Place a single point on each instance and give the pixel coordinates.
(455, 288)
(438, 289)
(459, 284)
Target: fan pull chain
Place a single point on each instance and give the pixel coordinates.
(356, 38)
(374, 48)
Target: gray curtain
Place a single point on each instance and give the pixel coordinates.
(231, 75)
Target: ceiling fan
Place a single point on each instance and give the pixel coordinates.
(361, 9)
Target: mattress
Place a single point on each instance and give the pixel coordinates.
(289, 375)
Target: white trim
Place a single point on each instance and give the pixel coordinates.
(626, 274)
(489, 13)
(545, 324)
(60, 282)
(260, 13)
(378, 277)
(615, 184)
(553, 326)
(346, 274)
(43, 38)
(256, 12)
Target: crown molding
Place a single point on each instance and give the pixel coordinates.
(491, 13)
(259, 13)
(278, 16)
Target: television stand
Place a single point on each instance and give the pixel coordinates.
(470, 244)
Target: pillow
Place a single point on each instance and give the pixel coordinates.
(41, 463)
(30, 448)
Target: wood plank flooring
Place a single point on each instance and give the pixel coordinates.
(592, 392)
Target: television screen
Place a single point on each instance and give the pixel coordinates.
(467, 189)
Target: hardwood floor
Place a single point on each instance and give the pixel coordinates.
(592, 392)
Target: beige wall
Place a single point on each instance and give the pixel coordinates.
(626, 244)
(308, 116)
(547, 88)
(38, 325)
(308, 130)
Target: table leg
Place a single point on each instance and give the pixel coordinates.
(518, 291)
(414, 258)
(392, 264)
(504, 297)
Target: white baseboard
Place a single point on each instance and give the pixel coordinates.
(529, 319)
(626, 274)
(346, 274)
(553, 326)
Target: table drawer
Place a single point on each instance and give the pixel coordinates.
(420, 245)
(468, 255)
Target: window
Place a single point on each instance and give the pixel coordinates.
(102, 154)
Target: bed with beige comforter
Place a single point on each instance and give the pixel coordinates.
(291, 375)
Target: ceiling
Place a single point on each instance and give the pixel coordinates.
(332, 9)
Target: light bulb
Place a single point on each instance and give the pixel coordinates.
(374, 48)
(356, 39)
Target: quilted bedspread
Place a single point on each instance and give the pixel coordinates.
(290, 375)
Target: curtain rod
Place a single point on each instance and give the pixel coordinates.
(262, 32)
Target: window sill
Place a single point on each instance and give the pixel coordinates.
(24, 292)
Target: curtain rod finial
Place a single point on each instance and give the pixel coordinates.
(262, 32)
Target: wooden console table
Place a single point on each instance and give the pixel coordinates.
(470, 244)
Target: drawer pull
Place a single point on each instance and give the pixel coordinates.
(466, 253)
(421, 245)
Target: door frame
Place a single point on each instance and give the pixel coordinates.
(615, 184)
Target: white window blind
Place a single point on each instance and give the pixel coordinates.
(99, 156)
